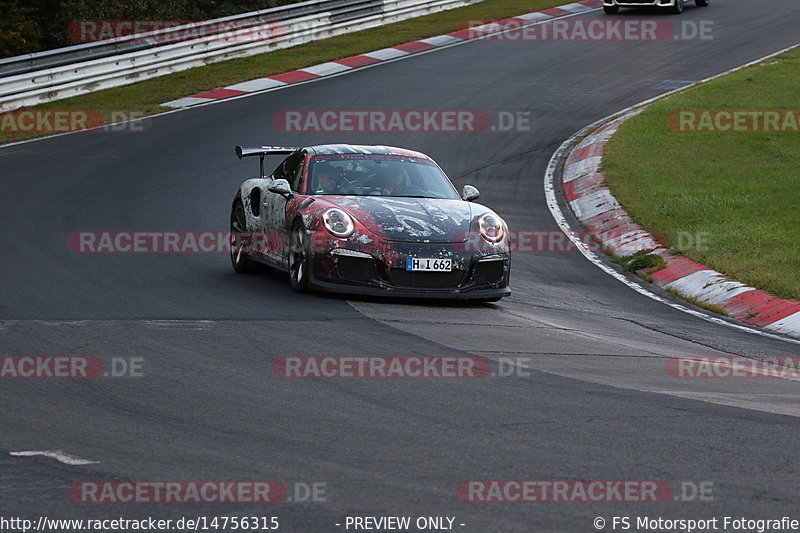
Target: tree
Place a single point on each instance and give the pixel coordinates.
(19, 29)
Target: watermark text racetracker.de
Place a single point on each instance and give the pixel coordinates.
(588, 30)
(198, 491)
(158, 241)
(734, 121)
(556, 241)
(67, 120)
(399, 367)
(402, 120)
(733, 367)
(582, 491)
(377, 367)
(168, 31)
(69, 367)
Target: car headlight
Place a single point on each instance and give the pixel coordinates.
(338, 223)
(491, 227)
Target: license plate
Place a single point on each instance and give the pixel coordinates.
(425, 264)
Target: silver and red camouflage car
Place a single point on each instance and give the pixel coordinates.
(611, 7)
(368, 220)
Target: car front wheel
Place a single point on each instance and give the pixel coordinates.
(702, 3)
(678, 7)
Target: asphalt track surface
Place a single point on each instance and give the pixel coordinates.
(597, 404)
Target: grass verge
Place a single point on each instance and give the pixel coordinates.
(146, 97)
(728, 200)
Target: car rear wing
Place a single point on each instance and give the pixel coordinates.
(262, 151)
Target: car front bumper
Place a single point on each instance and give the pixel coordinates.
(641, 3)
(377, 268)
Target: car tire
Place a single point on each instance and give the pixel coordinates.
(239, 258)
(702, 3)
(677, 9)
(611, 10)
(299, 257)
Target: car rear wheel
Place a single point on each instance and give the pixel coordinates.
(239, 259)
(611, 10)
(678, 7)
(702, 3)
(299, 258)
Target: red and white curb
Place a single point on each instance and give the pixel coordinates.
(386, 54)
(594, 205)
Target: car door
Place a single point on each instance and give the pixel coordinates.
(275, 205)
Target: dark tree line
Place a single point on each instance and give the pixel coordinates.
(33, 25)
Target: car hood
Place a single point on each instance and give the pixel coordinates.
(411, 219)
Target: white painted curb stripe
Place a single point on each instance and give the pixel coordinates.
(789, 325)
(709, 286)
(325, 69)
(594, 204)
(631, 242)
(534, 16)
(441, 40)
(256, 85)
(386, 53)
(575, 8)
(187, 101)
(582, 168)
(58, 455)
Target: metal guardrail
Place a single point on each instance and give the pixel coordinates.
(142, 41)
(56, 74)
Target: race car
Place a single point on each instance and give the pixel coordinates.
(611, 7)
(369, 220)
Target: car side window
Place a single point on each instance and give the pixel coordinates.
(278, 173)
(291, 170)
(298, 173)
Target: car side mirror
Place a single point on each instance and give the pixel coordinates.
(470, 193)
(280, 186)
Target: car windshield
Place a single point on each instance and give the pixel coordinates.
(378, 175)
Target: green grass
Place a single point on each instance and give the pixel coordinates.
(146, 97)
(737, 193)
(642, 263)
(639, 261)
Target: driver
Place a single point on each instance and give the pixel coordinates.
(327, 179)
(394, 179)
